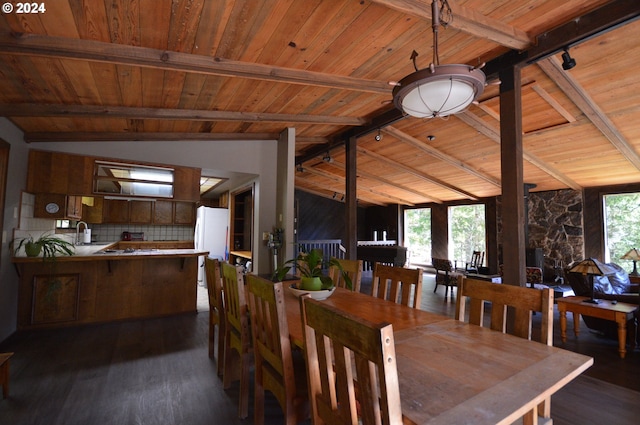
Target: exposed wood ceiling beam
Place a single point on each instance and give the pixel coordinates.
(374, 177)
(404, 137)
(73, 136)
(574, 91)
(580, 29)
(340, 180)
(466, 20)
(553, 102)
(97, 51)
(416, 173)
(493, 134)
(383, 118)
(40, 110)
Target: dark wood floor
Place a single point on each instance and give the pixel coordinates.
(157, 372)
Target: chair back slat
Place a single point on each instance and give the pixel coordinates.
(238, 354)
(398, 284)
(351, 367)
(274, 365)
(216, 309)
(353, 269)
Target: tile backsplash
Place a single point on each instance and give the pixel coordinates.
(113, 232)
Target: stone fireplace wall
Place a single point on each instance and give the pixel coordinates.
(555, 224)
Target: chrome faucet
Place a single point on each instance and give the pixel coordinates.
(86, 226)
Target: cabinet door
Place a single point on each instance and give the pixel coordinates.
(184, 213)
(115, 211)
(93, 213)
(163, 212)
(74, 207)
(49, 205)
(140, 212)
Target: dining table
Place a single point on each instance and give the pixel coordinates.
(452, 372)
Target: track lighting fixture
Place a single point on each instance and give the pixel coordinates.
(567, 61)
(431, 137)
(326, 157)
(378, 136)
(300, 168)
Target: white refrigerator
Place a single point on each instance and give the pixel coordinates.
(211, 234)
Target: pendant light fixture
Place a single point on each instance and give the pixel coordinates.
(439, 90)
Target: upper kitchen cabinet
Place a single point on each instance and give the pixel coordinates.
(53, 205)
(55, 172)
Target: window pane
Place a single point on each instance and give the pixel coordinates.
(417, 232)
(133, 180)
(621, 227)
(466, 232)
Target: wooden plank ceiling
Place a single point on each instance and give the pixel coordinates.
(223, 70)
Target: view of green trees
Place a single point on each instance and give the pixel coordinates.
(622, 226)
(417, 233)
(466, 233)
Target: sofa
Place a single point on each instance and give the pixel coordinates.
(618, 286)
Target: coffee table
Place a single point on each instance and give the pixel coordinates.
(618, 312)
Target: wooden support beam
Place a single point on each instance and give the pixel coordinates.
(43, 110)
(511, 155)
(351, 211)
(98, 51)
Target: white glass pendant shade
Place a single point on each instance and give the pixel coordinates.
(439, 91)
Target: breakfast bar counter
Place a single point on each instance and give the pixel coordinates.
(100, 284)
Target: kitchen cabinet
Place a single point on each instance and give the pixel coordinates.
(63, 173)
(241, 211)
(140, 212)
(57, 206)
(163, 212)
(92, 212)
(184, 213)
(115, 211)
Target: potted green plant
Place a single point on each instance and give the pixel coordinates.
(46, 244)
(309, 266)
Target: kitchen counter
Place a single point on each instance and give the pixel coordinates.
(104, 283)
(112, 251)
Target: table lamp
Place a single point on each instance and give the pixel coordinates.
(592, 267)
(634, 256)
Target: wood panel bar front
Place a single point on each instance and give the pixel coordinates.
(106, 288)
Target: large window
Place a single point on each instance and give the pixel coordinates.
(621, 226)
(417, 234)
(113, 178)
(466, 232)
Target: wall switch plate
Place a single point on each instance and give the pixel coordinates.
(265, 236)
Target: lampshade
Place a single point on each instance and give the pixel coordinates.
(438, 91)
(632, 255)
(591, 266)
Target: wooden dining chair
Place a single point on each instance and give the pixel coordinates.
(216, 310)
(397, 284)
(477, 259)
(238, 354)
(274, 358)
(351, 367)
(352, 268)
(524, 302)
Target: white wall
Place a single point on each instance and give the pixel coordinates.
(258, 158)
(16, 182)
